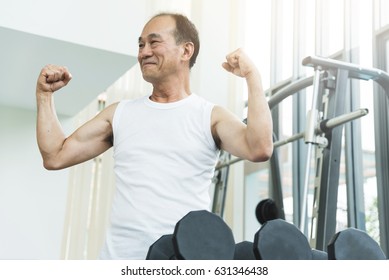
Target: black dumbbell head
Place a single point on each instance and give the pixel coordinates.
(280, 240)
(266, 210)
(319, 255)
(202, 235)
(162, 249)
(354, 244)
(244, 251)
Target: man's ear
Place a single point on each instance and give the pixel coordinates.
(188, 48)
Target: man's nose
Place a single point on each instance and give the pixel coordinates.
(144, 52)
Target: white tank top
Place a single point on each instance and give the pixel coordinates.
(165, 157)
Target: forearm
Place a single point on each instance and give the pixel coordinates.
(259, 121)
(50, 136)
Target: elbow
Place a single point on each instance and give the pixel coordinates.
(48, 166)
(51, 165)
(262, 154)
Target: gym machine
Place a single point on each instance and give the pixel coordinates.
(323, 137)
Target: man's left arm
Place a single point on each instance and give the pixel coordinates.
(254, 140)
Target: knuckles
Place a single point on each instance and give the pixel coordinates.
(54, 73)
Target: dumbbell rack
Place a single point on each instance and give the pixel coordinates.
(323, 137)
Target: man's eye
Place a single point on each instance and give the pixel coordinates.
(141, 45)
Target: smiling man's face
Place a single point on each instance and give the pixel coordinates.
(159, 55)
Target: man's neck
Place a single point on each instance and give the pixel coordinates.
(168, 97)
(170, 92)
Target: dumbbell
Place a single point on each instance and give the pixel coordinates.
(280, 240)
(244, 251)
(162, 249)
(266, 210)
(354, 244)
(319, 255)
(199, 235)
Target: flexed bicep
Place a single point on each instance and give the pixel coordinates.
(88, 141)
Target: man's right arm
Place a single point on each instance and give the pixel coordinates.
(87, 142)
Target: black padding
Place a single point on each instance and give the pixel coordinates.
(162, 249)
(266, 210)
(202, 235)
(280, 240)
(319, 255)
(354, 244)
(244, 251)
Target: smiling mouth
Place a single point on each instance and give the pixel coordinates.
(148, 63)
(147, 66)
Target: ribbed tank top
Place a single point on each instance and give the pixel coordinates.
(165, 157)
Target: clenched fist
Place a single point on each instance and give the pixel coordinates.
(239, 64)
(52, 78)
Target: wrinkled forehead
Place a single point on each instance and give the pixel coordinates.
(159, 26)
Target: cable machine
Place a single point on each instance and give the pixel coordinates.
(323, 137)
